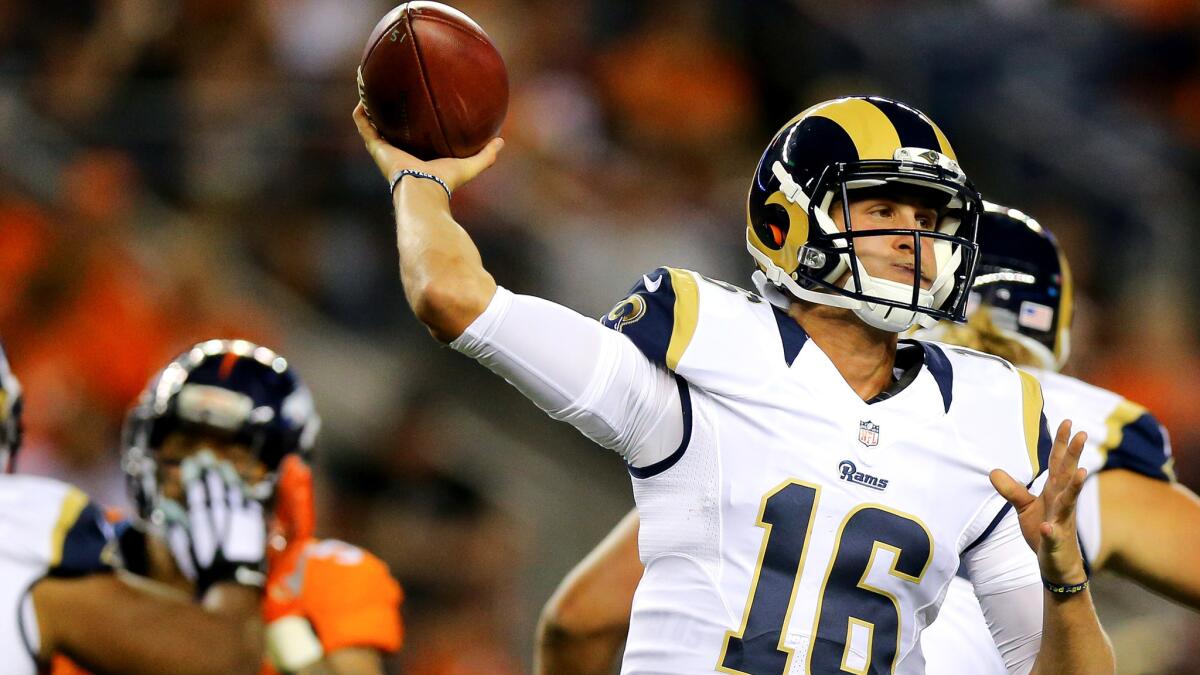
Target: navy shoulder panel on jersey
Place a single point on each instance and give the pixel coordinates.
(790, 333)
(88, 545)
(659, 315)
(1140, 445)
(647, 315)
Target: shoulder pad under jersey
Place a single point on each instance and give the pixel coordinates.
(1000, 410)
(54, 526)
(1121, 433)
(715, 335)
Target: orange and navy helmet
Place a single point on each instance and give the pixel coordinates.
(11, 402)
(1024, 283)
(819, 158)
(231, 388)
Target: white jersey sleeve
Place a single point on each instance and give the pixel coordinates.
(47, 528)
(1009, 588)
(581, 373)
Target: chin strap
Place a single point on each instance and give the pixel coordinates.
(770, 291)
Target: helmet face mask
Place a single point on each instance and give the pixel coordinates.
(227, 394)
(824, 156)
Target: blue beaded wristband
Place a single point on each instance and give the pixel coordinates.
(1065, 589)
(418, 174)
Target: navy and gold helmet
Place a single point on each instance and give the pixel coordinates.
(11, 402)
(816, 159)
(1024, 283)
(231, 388)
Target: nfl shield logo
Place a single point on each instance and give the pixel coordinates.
(868, 434)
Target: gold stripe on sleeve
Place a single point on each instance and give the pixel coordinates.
(72, 505)
(687, 313)
(1066, 309)
(1124, 414)
(1031, 400)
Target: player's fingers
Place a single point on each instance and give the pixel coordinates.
(1064, 507)
(1062, 438)
(480, 161)
(1075, 449)
(1013, 492)
(365, 128)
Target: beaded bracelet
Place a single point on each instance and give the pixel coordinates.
(1065, 589)
(419, 174)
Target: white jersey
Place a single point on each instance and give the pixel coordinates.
(46, 528)
(796, 528)
(1121, 435)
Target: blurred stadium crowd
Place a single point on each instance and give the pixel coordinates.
(174, 170)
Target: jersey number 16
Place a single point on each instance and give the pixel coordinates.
(850, 611)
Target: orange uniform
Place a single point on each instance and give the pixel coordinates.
(346, 593)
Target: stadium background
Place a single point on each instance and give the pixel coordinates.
(173, 170)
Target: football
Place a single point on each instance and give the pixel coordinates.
(432, 81)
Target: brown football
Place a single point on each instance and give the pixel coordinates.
(432, 81)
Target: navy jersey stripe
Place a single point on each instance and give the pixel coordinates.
(25, 630)
(995, 521)
(1044, 446)
(942, 371)
(87, 546)
(647, 315)
(1143, 449)
(913, 131)
(991, 526)
(685, 401)
(790, 332)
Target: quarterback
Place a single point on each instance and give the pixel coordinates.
(59, 593)
(808, 485)
(330, 607)
(1021, 310)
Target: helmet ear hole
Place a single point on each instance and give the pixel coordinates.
(772, 229)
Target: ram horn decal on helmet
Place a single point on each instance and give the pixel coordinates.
(817, 159)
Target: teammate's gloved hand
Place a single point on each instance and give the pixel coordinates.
(221, 533)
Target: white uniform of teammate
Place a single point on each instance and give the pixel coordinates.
(1121, 435)
(795, 524)
(46, 528)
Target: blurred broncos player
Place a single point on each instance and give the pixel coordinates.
(59, 593)
(808, 486)
(1021, 310)
(330, 607)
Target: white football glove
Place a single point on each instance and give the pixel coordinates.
(221, 535)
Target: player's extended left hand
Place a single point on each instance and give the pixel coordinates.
(1048, 519)
(391, 160)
